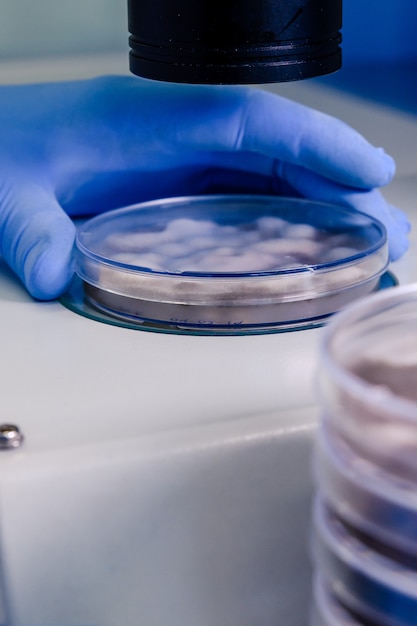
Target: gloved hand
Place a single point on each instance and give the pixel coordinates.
(80, 148)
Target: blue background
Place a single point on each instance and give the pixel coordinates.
(379, 52)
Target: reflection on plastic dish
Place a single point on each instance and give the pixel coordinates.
(229, 262)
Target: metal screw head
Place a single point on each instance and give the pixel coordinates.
(10, 436)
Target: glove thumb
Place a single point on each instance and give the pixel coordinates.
(36, 239)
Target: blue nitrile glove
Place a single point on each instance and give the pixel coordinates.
(88, 146)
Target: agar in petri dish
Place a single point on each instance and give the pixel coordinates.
(230, 262)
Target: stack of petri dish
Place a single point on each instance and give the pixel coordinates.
(364, 539)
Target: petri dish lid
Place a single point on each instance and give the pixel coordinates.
(234, 254)
(369, 583)
(362, 494)
(367, 380)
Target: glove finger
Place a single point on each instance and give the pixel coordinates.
(303, 136)
(36, 240)
(371, 202)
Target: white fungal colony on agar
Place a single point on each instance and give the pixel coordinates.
(267, 244)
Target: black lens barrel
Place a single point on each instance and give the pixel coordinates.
(234, 41)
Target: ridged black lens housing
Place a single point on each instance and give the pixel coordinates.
(234, 41)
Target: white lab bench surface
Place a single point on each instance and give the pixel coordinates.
(165, 479)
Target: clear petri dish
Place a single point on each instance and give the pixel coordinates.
(368, 376)
(227, 262)
(372, 501)
(375, 587)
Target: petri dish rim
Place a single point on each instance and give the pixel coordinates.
(327, 611)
